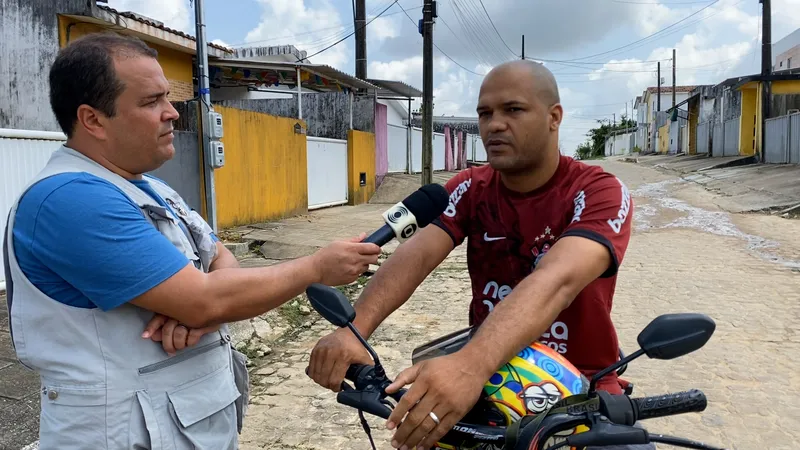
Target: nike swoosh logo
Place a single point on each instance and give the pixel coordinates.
(489, 239)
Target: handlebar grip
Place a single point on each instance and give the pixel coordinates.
(354, 370)
(670, 404)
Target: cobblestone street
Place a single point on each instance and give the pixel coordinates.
(685, 256)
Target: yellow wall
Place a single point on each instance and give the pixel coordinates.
(177, 66)
(663, 139)
(749, 126)
(694, 113)
(360, 158)
(265, 172)
(786, 87)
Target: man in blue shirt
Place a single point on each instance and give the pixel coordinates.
(98, 252)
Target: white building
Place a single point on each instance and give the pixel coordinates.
(786, 52)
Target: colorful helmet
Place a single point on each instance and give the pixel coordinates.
(532, 382)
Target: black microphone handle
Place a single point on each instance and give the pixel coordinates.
(381, 237)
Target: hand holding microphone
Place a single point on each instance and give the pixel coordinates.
(342, 262)
(416, 211)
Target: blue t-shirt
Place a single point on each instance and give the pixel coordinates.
(83, 242)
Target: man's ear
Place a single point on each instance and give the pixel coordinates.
(93, 121)
(556, 116)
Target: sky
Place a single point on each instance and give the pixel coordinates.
(603, 53)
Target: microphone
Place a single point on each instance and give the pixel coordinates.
(414, 212)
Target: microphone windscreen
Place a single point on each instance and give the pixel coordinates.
(427, 203)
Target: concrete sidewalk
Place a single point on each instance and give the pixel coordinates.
(745, 185)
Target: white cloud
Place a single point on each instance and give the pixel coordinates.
(174, 13)
(220, 42)
(278, 16)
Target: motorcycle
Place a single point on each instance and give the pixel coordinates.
(593, 418)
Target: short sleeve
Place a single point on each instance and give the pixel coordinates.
(603, 212)
(455, 219)
(83, 242)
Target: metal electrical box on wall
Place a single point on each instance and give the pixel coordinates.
(215, 123)
(217, 154)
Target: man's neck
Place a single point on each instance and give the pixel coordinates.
(535, 177)
(96, 155)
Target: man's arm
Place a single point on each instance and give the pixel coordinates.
(112, 255)
(227, 295)
(529, 310)
(398, 278)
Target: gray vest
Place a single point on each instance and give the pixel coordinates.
(103, 385)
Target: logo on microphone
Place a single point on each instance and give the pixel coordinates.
(409, 231)
(398, 214)
(402, 221)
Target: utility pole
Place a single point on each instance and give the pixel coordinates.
(766, 70)
(673, 77)
(204, 94)
(658, 98)
(360, 18)
(523, 46)
(428, 14)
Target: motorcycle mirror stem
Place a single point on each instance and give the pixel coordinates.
(334, 306)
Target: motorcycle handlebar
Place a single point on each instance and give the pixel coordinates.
(619, 409)
(623, 410)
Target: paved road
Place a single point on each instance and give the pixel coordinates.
(685, 255)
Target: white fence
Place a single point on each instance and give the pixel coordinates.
(327, 172)
(23, 154)
(782, 140)
(398, 149)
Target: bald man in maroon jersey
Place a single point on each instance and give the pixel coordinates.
(545, 235)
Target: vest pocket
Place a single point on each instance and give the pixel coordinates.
(72, 417)
(242, 378)
(204, 412)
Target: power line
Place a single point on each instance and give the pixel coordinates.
(640, 40)
(495, 29)
(354, 32)
(437, 47)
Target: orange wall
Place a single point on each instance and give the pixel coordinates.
(265, 172)
(360, 159)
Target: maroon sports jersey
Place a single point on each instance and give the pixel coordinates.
(508, 232)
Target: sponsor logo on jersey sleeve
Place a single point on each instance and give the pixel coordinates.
(455, 197)
(625, 207)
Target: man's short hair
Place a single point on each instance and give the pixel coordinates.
(83, 74)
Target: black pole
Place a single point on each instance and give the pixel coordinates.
(658, 99)
(427, 92)
(360, 17)
(673, 77)
(523, 46)
(766, 70)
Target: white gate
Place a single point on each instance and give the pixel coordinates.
(398, 148)
(327, 172)
(23, 154)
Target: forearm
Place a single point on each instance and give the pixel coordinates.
(238, 294)
(398, 278)
(519, 320)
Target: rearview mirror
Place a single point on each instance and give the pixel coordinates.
(671, 336)
(668, 336)
(331, 304)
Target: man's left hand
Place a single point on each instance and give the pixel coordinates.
(448, 386)
(173, 335)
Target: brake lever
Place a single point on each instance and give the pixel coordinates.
(369, 401)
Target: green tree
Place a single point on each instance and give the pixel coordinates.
(594, 147)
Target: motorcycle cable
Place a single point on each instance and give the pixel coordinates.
(367, 430)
